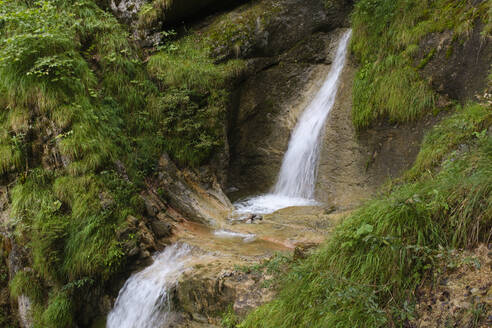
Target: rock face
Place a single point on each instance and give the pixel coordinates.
(147, 18)
(290, 51)
(352, 166)
(230, 271)
(457, 67)
(209, 290)
(269, 103)
(170, 11)
(283, 75)
(198, 199)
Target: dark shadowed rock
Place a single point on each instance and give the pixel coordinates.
(457, 67)
(161, 229)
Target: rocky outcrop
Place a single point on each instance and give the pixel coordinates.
(210, 290)
(457, 66)
(269, 103)
(196, 195)
(230, 265)
(170, 11)
(147, 18)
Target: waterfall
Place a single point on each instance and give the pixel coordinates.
(144, 302)
(297, 178)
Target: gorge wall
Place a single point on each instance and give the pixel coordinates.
(101, 195)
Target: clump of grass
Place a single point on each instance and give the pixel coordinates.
(386, 37)
(229, 319)
(192, 110)
(397, 93)
(59, 312)
(466, 125)
(28, 284)
(364, 275)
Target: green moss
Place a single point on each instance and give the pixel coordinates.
(232, 33)
(426, 59)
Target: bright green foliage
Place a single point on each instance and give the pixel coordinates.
(467, 124)
(70, 231)
(193, 109)
(74, 99)
(229, 319)
(59, 312)
(27, 283)
(386, 37)
(378, 255)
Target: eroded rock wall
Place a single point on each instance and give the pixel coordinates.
(283, 74)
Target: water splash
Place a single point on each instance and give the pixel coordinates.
(246, 237)
(297, 178)
(144, 302)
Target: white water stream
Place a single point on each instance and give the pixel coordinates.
(297, 178)
(144, 302)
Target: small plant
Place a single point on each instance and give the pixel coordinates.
(229, 319)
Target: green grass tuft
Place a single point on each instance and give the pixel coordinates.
(467, 124)
(385, 40)
(193, 109)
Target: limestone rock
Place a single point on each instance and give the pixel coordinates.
(201, 202)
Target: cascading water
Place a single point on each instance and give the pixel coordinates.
(144, 302)
(297, 177)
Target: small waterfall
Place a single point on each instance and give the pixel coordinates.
(144, 302)
(297, 178)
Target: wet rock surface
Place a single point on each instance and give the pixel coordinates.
(269, 103)
(224, 277)
(185, 191)
(353, 165)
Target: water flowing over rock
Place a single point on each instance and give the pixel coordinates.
(297, 178)
(298, 173)
(144, 301)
